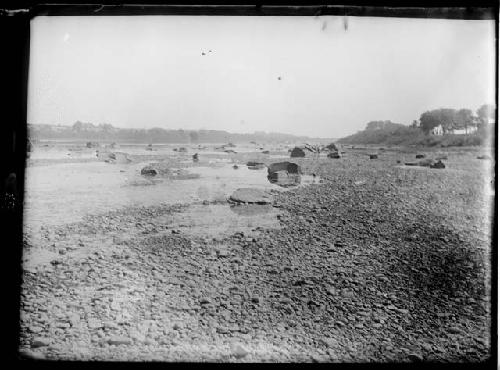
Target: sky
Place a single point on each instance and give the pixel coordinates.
(299, 75)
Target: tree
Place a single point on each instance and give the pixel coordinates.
(77, 126)
(485, 112)
(444, 116)
(464, 119)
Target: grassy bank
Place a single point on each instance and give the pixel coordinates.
(407, 136)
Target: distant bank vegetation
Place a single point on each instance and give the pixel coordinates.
(107, 132)
(439, 127)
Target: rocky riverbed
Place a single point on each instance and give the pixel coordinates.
(374, 263)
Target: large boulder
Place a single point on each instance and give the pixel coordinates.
(250, 196)
(297, 153)
(373, 156)
(283, 166)
(284, 173)
(420, 156)
(91, 144)
(195, 157)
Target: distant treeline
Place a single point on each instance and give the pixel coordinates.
(452, 124)
(106, 132)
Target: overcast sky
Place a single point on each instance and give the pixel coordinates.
(299, 75)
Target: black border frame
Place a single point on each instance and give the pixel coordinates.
(15, 34)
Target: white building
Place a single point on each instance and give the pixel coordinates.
(438, 130)
(465, 131)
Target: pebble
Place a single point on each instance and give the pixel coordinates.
(238, 351)
(119, 340)
(40, 342)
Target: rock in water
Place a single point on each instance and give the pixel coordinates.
(438, 164)
(283, 166)
(284, 174)
(255, 165)
(251, 195)
(149, 171)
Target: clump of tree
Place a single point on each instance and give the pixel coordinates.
(455, 119)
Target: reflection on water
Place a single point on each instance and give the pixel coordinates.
(65, 192)
(249, 210)
(216, 220)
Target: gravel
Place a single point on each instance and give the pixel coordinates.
(374, 263)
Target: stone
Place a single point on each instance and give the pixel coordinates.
(149, 171)
(419, 156)
(330, 342)
(119, 340)
(284, 173)
(373, 156)
(31, 355)
(238, 351)
(438, 164)
(251, 195)
(40, 342)
(297, 153)
(415, 357)
(455, 330)
(94, 324)
(255, 165)
(333, 155)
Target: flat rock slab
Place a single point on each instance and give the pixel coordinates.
(251, 196)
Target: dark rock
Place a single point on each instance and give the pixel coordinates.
(149, 171)
(438, 164)
(419, 156)
(485, 156)
(235, 166)
(297, 153)
(195, 157)
(255, 165)
(284, 174)
(373, 156)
